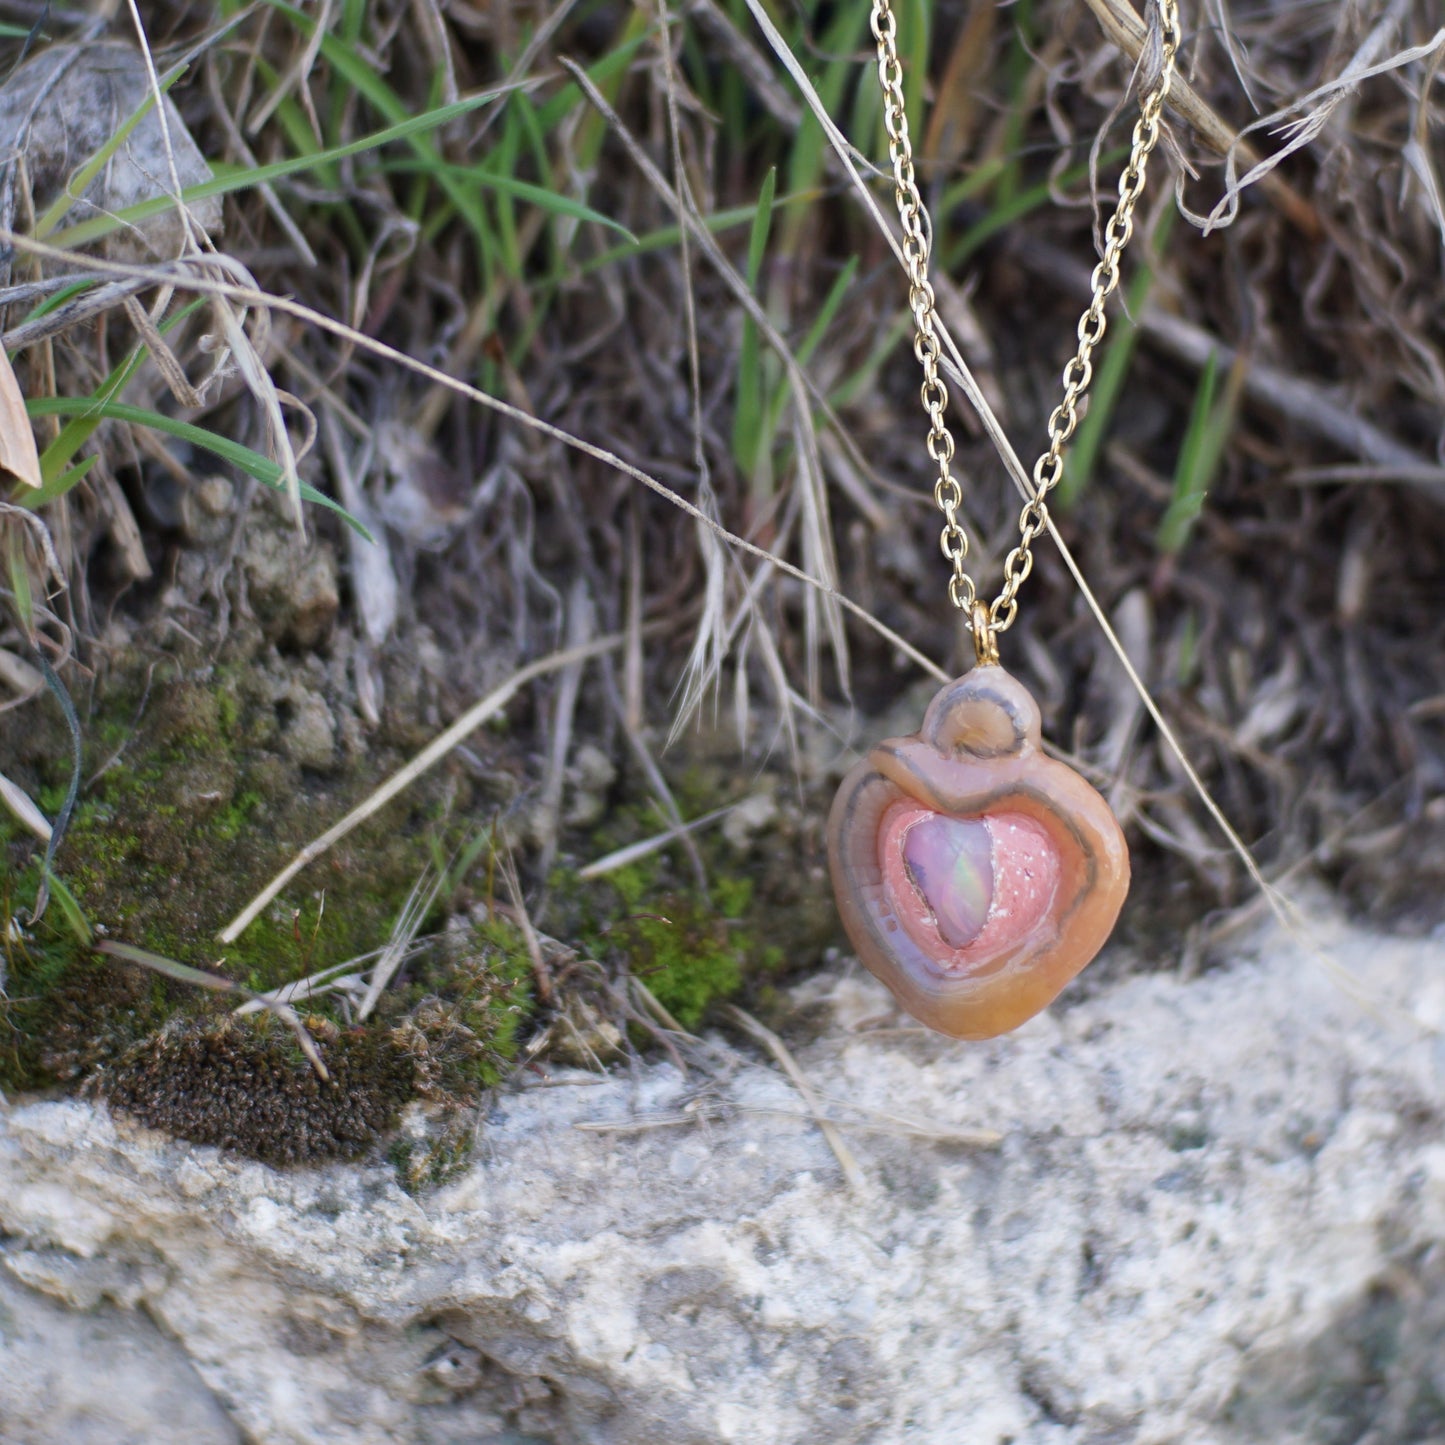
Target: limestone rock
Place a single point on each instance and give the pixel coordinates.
(309, 735)
(61, 108)
(291, 580)
(98, 1375)
(1216, 1216)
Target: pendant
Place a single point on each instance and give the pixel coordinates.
(974, 874)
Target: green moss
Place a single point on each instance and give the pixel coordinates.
(231, 821)
(463, 1017)
(691, 950)
(685, 958)
(168, 843)
(766, 915)
(197, 807)
(182, 831)
(228, 711)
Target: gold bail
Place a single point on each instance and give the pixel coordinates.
(985, 639)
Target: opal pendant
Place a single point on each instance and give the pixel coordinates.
(975, 875)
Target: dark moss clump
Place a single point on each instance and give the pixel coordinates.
(243, 1083)
(249, 1087)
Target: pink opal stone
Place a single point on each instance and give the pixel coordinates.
(967, 889)
(1026, 879)
(950, 862)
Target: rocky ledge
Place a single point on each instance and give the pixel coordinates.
(1214, 1212)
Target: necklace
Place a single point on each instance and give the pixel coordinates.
(975, 875)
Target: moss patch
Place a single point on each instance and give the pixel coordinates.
(191, 812)
(248, 1087)
(196, 814)
(690, 949)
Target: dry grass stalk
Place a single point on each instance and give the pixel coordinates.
(646, 847)
(1121, 23)
(19, 458)
(402, 942)
(429, 756)
(852, 1172)
(24, 808)
(185, 278)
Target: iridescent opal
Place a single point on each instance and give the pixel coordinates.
(950, 863)
(975, 875)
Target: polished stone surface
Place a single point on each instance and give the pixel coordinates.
(950, 863)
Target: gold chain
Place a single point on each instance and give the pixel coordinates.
(1034, 519)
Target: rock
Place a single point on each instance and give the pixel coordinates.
(98, 1376)
(749, 818)
(206, 509)
(1216, 1216)
(590, 776)
(291, 581)
(63, 106)
(309, 733)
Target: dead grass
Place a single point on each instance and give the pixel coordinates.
(585, 247)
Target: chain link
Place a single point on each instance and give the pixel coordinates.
(1049, 469)
(953, 540)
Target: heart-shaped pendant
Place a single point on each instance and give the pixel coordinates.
(974, 874)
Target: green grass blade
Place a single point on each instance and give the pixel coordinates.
(159, 963)
(59, 298)
(238, 178)
(57, 475)
(504, 162)
(1004, 214)
(827, 311)
(819, 329)
(762, 224)
(1019, 67)
(72, 476)
(22, 599)
(78, 183)
(601, 73)
(840, 40)
(916, 25)
(70, 907)
(242, 457)
(717, 222)
(523, 191)
(358, 73)
(749, 433)
(1210, 423)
